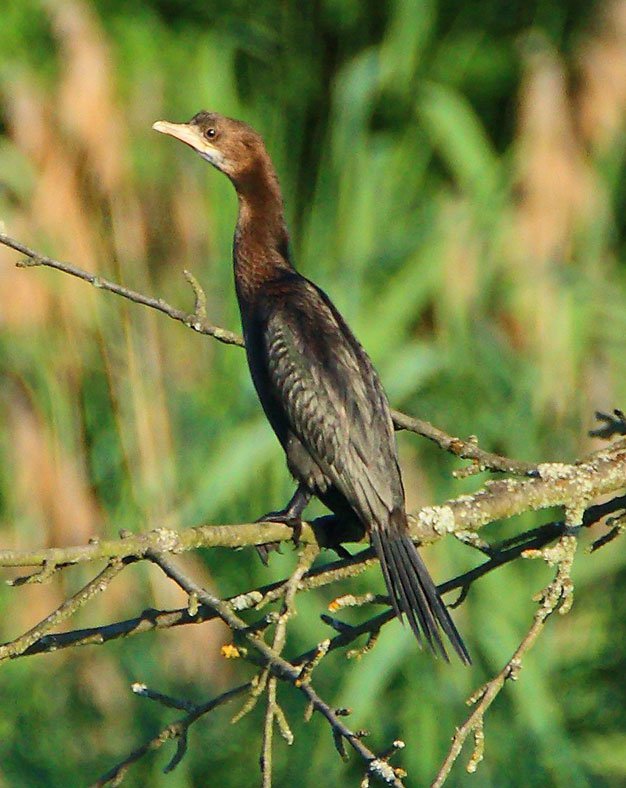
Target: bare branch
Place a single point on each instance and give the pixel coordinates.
(556, 595)
(618, 528)
(265, 759)
(96, 586)
(165, 619)
(273, 710)
(278, 666)
(465, 449)
(500, 554)
(165, 700)
(173, 731)
(556, 485)
(196, 320)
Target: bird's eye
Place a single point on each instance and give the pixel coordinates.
(210, 133)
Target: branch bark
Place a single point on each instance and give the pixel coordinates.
(556, 484)
(557, 595)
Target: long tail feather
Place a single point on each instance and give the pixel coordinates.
(414, 594)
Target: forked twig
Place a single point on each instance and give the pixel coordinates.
(174, 731)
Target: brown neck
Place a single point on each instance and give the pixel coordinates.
(261, 245)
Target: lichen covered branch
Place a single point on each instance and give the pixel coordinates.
(558, 595)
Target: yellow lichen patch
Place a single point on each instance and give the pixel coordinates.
(230, 651)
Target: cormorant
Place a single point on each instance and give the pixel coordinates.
(316, 384)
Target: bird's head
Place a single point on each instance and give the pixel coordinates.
(230, 145)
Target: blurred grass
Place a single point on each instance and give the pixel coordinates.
(455, 180)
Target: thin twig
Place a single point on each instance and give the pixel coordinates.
(464, 449)
(196, 320)
(614, 424)
(265, 759)
(67, 609)
(165, 700)
(278, 666)
(556, 595)
(172, 731)
(273, 710)
(619, 526)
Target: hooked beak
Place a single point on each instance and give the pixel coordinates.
(191, 136)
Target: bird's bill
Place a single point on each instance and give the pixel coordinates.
(181, 131)
(192, 136)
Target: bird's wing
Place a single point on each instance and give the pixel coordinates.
(334, 403)
(332, 397)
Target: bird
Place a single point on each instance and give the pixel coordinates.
(316, 384)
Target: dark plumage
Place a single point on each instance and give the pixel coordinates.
(315, 382)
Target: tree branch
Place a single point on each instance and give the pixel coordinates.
(173, 731)
(556, 484)
(535, 539)
(278, 666)
(96, 586)
(557, 595)
(256, 598)
(196, 320)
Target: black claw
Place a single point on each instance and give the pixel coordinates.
(285, 518)
(291, 515)
(297, 532)
(264, 551)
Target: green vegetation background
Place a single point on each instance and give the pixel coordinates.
(454, 178)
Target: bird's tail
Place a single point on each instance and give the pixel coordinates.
(412, 590)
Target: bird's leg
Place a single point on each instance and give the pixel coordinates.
(291, 515)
